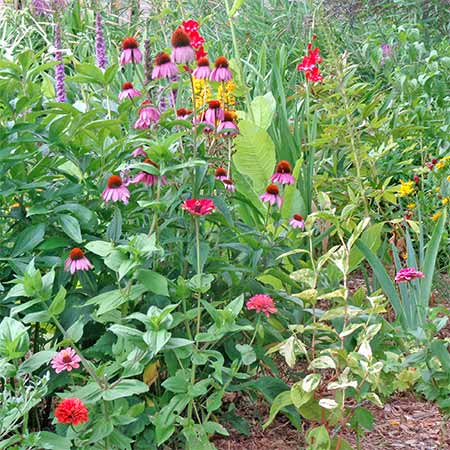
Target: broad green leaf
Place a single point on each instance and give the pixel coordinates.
(28, 239)
(125, 388)
(248, 355)
(281, 401)
(318, 439)
(71, 227)
(35, 361)
(59, 302)
(14, 340)
(153, 281)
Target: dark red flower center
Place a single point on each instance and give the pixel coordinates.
(272, 189)
(203, 61)
(221, 61)
(298, 217)
(220, 172)
(114, 181)
(183, 112)
(162, 58)
(129, 43)
(149, 161)
(284, 167)
(180, 38)
(228, 181)
(66, 358)
(127, 85)
(76, 253)
(214, 104)
(228, 116)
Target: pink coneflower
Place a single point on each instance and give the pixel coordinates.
(229, 185)
(147, 116)
(220, 174)
(227, 127)
(408, 274)
(199, 207)
(297, 221)
(77, 261)
(164, 67)
(262, 303)
(139, 152)
(214, 113)
(272, 195)
(221, 72)
(148, 178)
(182, 52)
(182, 113)
(66, 359)
(116, 190)
(283, 173)
(128, 91)
(71, 411)
(203, 71)
(130, 52)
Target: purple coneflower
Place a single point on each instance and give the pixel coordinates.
(221, 72)
(128, 91)
(221, 174)
(182, 52)
(182, 113)
(130, 52)
(229, 185)
(100, 47)
(164, 67)
(59, 68)
(283, 173)
(77, 261)
(116, 190)
(139, 152)
(227, 127)
(203, 71)
(147, 116)
(148, 178)
(272, 195)
(214, 113)
(297, 221)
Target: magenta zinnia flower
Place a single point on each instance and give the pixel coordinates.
(199, 207)
(182, 52)
(77, 261)
(262, 303)
(272, 195)
(128, 91)
(227, 127)
(297, 221)
(214, 113)
(221, 71)
(116, 190)
(164, 67)
(148, 178)
(283, 174)
(66, 359)
(147, 116)
(203, 71)
(220, 174)
(408, 274)
(138, 152)
(130, 52)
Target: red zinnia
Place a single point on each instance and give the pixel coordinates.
(262, 303)
(199, 207)
(71, 411)
(190, 25)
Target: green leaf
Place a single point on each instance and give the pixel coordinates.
(101, 248)
(248, 355)
(281, 401)
(262, 110)
(125, 388)
(318, 439)
(28, 239)
(114, 230)
(255, 154)
(14, 340)
(71, 227)
(52, 441)
(153, 281)
(35, 361)
(362, 417)
(372, 239)
(71, 169)
(58, 303)
(236, 5)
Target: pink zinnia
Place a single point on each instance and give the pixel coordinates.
(408, 274)
(227, 127)
(297, 221)
(77, 261)
(128, 91)
(283, 174)
(203, 71)
(220, 174)
(116, 190)
(221, 71)
(139, 152)
(229, 185)
(272, 195)
(147, 116)
(164, 67)
(71, 411)
(262, 303)
(66, 359)
(130, 52)
(214, 113)
(182, 52)
(199, 207)
(148, 178)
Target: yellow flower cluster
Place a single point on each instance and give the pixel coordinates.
(202, 93)
(435, 217)
(225, 94)
(406, 188)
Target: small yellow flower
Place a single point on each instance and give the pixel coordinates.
(411, 205)
(436, 216)
(225, 95)
(406, 188)
(202, 92)
(448, 178)
(438, 189)
(445, 200)
(15, 205)
(440, 165)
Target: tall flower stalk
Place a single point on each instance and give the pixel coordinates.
(59, 68)
(100, 47)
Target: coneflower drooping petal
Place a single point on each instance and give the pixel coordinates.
(59, 68)
(100, 47)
